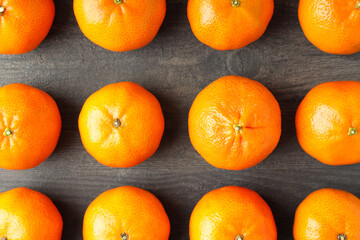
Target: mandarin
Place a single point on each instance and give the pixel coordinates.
(327, 123)
(232, 213)
(328, 214)
(126, 213)
(121, 125)
(120, 25)
(24, 24)
(26, 214)
(30, 126)
(234, 123)
(229, 24)
(333, 26)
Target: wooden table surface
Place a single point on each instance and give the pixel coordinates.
(175, 67)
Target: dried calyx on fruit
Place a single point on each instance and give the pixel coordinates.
(124, 236)
(357, 5)
(239, 237)
(342, 237)
(235, 3)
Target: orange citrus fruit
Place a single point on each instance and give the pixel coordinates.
(26, 214)
(121, 125)
(120, 25)
(229, 24)
(30, 126)
(328, 214)
(24, 24)
(328, 121)
(234, 123)
(333, 26)
(126, 213)
(233, 213)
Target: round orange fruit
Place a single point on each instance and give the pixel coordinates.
(121, 125)
(30, 126)
(234, 123)
(333, 26)
(328, 214)
(229, 24)
(24, 24)
(328, 121)
(126, 213)
(233, 213)
(120, 25)
(26, 214)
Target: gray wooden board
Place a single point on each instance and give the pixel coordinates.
(175, 67)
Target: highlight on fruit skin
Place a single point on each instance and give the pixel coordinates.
(121, 125)
(24, 24)
(328, 214)
(28, 214)
(328, 123)
(234, 123)
(229, 24)
(333, 26)
(120, 25)
(126, 213)
(30, 126)
(234, 213)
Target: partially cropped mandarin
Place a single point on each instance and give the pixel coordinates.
(229, 24)
(328, 123)
(328, 214)
(30, 126)
(333, 26)
(232, 213)
(126, 213)
(120, 25)
(26, 214)
(24, 24)
(235, 123)
(121, 125)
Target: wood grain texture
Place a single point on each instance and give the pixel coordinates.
(175, 67)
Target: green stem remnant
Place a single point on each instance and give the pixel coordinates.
(117, 123)
(357, 5)
(124, 236)
(239, 237)
(352, 131)
(118, 1)
(2, 10)
(237, 127)
(8, 133)
(235, 3)
(341, 237)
